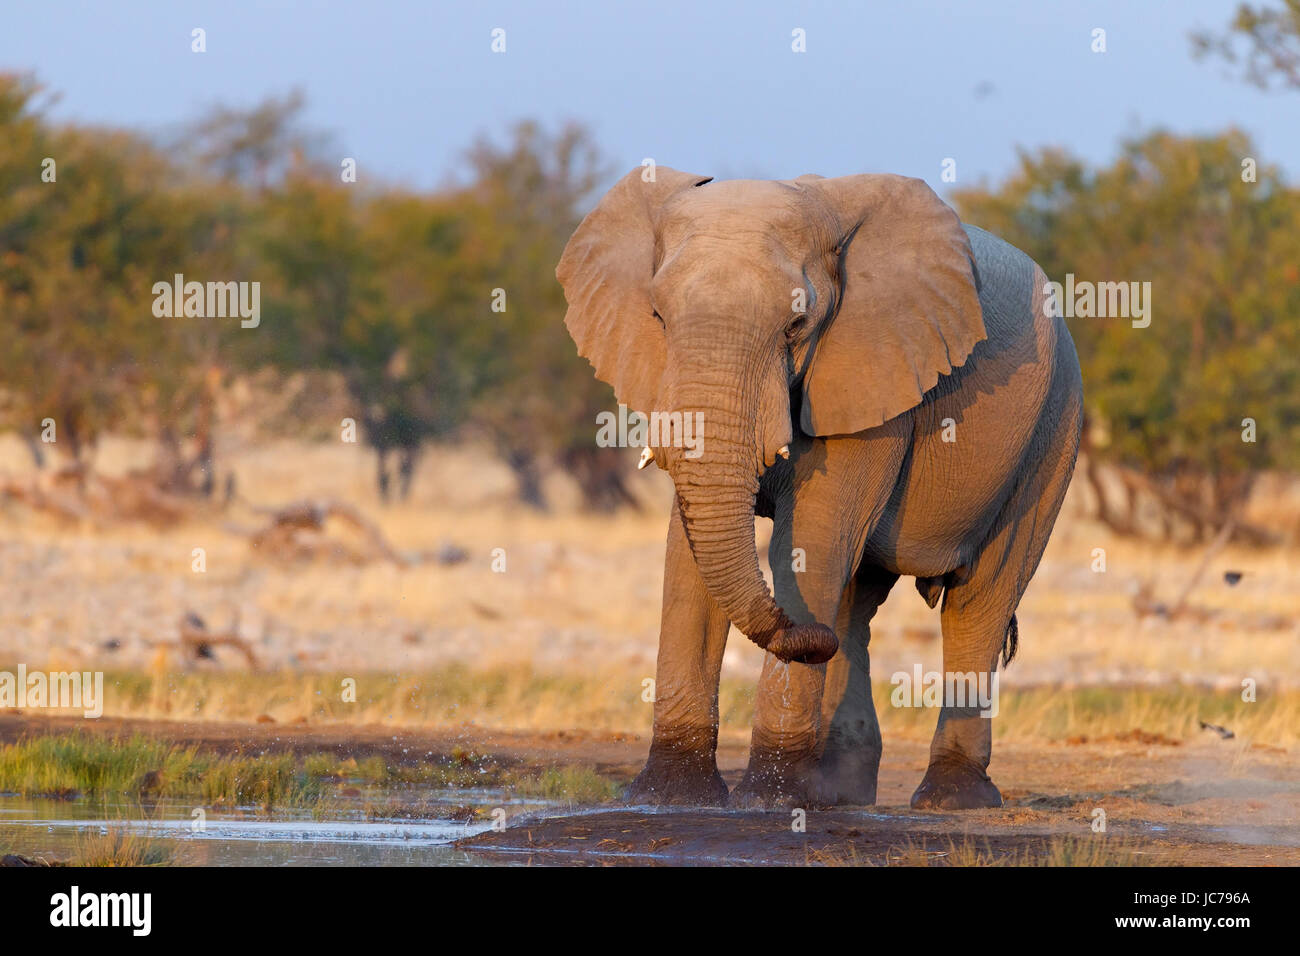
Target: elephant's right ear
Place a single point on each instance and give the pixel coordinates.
(606, 271)
(910, 310)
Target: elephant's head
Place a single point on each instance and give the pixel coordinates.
(744, 304)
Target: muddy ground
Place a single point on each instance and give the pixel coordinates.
(1207, 803)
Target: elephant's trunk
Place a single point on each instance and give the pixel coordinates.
(716, 496)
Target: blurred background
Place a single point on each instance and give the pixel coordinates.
(389, 475)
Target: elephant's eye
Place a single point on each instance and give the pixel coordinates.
(660, 319)
(795, 327)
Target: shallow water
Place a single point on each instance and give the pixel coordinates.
(242, 837)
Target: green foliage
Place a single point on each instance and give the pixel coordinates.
(78, 257)
(396, 290)
(1223, 258)
(389, 288)
(537, 397)
(393, 289)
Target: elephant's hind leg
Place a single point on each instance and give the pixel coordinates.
(851, 745)
(978, 610)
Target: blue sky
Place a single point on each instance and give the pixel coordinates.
(714, 88)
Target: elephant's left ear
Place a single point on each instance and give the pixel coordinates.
(909, 311)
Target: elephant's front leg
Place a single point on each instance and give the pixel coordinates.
(787, 709)
(682, 767)
(783, 748)
(849, 764)
(826, 503)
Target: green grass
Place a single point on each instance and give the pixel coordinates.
(144, 767)
(140, 767)
(572, 784)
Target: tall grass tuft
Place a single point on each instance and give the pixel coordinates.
(120, 846)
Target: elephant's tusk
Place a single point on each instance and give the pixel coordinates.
(784, 451)
(647, 456)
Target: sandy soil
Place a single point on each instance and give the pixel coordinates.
(1201, 804)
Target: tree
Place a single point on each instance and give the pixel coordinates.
(257, 147)
(1271, 38)
(79, 252)
(439, 312)
(537, 398)
(1219, 241)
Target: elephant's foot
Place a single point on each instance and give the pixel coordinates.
(679, 777)
(773, 780)
(846, 777)
(955, 784)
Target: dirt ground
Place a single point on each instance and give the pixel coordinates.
(1191, 805)
(1189, 808)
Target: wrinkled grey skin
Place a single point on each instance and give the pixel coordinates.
(684, 296)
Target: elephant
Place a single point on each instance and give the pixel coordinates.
(894, 389)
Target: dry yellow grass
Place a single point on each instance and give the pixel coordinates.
(520, 697)
(1051, 851)
(569, 631)
(118, 845)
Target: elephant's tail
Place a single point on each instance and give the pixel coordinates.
(1010, 642)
